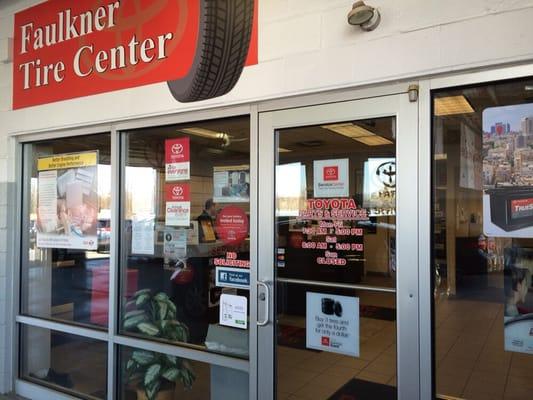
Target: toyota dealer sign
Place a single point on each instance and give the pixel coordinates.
(65, 49)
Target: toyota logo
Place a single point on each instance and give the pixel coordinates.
(177, 148)
(177, 191)
(386, 174)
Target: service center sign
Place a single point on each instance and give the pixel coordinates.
(65, 49)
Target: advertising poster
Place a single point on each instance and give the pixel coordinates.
(379, 192)
(232, 225)
(518, 313)
(142, 235)
(233, 310)
(507, 157)
(231, 184)
(175, 244)
(177, 159)
(331, 178)
(332, 323)
(178, 204)
(68, 201)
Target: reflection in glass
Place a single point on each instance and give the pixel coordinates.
(148, 375)
(67, 206)
(69, 363)
(185, 212)
(335, 223)
(482, 241)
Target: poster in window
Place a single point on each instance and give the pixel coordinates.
(507, 157)
(379, 192)
(67, 209)
(177, 159)
(178, 204)
(231, 184)
(331, 178)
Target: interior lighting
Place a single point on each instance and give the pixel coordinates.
(452, 105)
(358, 133)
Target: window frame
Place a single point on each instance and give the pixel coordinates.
(111, 336)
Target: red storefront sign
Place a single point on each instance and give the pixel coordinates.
(232, 225)
(65, 49)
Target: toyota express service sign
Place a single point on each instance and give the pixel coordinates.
(65, 49)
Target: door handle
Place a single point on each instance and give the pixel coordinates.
(265, 296)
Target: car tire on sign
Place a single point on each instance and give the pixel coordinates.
(224, 38)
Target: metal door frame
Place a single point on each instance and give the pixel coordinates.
(407, 226)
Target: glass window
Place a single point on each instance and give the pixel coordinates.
(67, 213)
(483, 240)
(185, 218)
(147, 375)
(65, 362)
(335, 224)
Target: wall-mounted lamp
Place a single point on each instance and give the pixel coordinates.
(367, 17)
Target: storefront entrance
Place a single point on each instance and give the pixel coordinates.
(338, 272)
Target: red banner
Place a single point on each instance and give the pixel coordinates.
(177, 192)
(65, 49)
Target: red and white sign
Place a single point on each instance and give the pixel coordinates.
(177, 159)
(331, 178)
(65, 49)
(331, 173)
(177, 192)
(178, 204)
(232, 225)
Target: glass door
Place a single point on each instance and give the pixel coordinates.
(338, 270)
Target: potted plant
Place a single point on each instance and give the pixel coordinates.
(155, 374)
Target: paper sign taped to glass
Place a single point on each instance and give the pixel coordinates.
(67, 207)
(231, 184)
(507, 155)
(332, 323)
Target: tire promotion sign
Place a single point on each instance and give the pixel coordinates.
(66, 49)
(332, 323)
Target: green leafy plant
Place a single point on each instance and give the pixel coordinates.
(155, 316)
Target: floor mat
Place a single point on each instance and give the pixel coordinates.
(358, 389)
(292, 336)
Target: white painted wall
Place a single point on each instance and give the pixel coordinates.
(304, 46)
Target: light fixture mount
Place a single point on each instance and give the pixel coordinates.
(367, 17)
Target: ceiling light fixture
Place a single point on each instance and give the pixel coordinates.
(358, 133)
(283, 150)
(452, 105)
(367, 17)
(208, 134)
